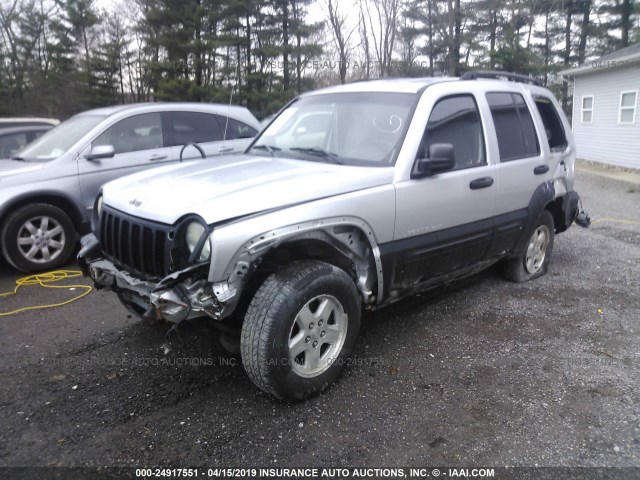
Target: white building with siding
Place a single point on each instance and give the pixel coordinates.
(606, 116)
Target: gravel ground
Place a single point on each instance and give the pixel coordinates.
(479, 373)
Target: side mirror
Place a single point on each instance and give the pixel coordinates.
(441, 158)
(101, 151)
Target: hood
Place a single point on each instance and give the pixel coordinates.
(221, 188)
(16, 167)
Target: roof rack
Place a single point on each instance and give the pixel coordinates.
(515, 77)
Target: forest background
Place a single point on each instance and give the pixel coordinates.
(60, 57)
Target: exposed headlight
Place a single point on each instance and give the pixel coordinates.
(195, 230)
(95, 215)
(99, 205)
(205, 254)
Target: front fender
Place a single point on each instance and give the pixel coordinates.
(352, 237)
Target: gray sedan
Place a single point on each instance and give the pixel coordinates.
(47, 190)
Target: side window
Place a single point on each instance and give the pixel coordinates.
(140, 132)
(10, 144)
(628, 107)
(236, 129)
(196, 127)
(552, 124)
(514, 126)
(456, 120)
(587, 109)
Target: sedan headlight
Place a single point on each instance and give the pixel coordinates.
(195, 231)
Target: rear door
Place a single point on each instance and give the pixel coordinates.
(215, 134)
(521, 169)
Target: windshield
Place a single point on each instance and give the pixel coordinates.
(56, 142)
(360, 129)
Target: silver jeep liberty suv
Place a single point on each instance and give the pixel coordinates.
(353, 197)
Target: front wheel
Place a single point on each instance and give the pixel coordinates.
(38, 237)
(534, 261)
(300, 329)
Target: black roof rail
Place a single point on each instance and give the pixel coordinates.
(495, 74)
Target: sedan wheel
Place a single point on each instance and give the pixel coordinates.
(41, 239)
(38, 237)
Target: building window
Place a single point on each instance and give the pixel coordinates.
(628, 107)
(587, 109)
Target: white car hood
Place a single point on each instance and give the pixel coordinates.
(17, 167)
(227, 187)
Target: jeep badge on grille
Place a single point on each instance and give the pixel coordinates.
(135, 202)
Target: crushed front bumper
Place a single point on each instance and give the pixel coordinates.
(179, 296)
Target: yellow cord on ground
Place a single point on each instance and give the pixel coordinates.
(45, 280)
(615, 220)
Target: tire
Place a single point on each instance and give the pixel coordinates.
(534, 260)
(38, 237)
(303, 306)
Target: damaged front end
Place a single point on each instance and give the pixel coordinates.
(182, 295)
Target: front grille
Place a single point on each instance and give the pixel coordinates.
(137, 245)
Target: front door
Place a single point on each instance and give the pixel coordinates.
(138, 142)
(444, 221)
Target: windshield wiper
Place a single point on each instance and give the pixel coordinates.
(320, 152)
(19, 159)
(269, 148)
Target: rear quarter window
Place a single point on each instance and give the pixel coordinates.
(553, 128)
(235, 129)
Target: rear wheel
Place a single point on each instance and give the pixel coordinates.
(534, 261)
(300, 329)
(38, 237)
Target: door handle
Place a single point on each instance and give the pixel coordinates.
(540, 169)
(225, 149)
(483, 182)
(155, 158)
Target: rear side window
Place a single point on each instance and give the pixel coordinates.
(514, 126)
(196, 127)
(552, 124)
(10, 144)
(236, 129)
(456, 120)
